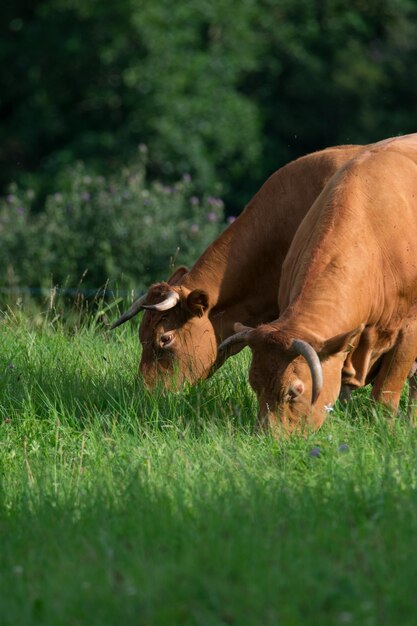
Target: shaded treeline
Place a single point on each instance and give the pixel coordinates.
(227, 92)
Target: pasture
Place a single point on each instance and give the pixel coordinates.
(118, 506)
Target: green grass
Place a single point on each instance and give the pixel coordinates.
(118, 506)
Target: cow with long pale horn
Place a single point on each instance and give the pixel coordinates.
(237, 277)
(348, 294)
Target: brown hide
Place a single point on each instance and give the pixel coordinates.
(348, 287)
(237, 277)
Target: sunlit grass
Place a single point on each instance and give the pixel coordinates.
(118, 505)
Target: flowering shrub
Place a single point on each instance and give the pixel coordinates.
(120, 229)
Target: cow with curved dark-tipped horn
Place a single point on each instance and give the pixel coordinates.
(237, 277)
(348, 294)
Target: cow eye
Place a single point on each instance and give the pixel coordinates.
(166, 340)
(294, 393)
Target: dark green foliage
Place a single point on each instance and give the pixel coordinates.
(91, 80)
(225, 91)
(336, 72)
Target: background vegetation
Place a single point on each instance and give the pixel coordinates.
(124, 228)
(222, 91)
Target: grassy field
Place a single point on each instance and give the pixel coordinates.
(122, 507)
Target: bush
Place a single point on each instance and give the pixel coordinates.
(93, 228)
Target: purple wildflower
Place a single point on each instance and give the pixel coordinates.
(231, 219)
(215, 201)
(315, 452)
(343, 447)
(10, 198)
(85, 196)
(212, 217)
(169, 189)
(186, 178)
(194, 228)
(20, 210)
(194, 200)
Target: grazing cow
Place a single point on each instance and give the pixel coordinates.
(237, 277)
(348, 294)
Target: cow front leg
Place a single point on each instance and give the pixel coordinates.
(396, 365)
(412, 395)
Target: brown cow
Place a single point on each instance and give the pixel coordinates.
(348, 285)
(237, 277)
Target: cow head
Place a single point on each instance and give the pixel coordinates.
(296, 382)
(177, 337)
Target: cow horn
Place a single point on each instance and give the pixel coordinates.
(170, 301)
(240, 337)
(304, 349)
(134, 309)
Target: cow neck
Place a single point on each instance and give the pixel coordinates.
(342, 269)
(241, 270)
(317, 320)
(235, 274)
(324, 292)
(327, 306)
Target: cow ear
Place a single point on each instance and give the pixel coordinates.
(198, 302)
(344, 342)
(177, 275)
